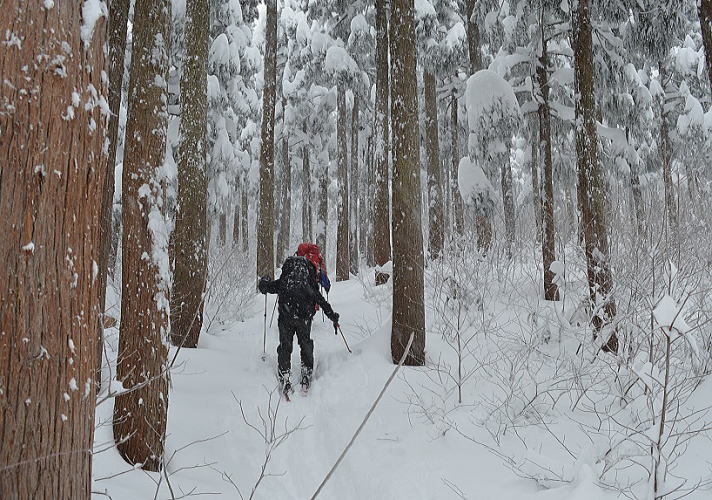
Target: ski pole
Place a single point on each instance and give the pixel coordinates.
(264, 333)
(342, 336)
(273, 310)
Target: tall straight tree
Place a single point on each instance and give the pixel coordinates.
(285, 219)
(548, 241)
(381, 218)
(52, 170)
(408, 259)
(118, 24)
(436, 238)
(353, 189)
(191, 233)
(342, 229)
(306, 192)
(265, 217)
(140, 414)
(591, 190)
(458, 202)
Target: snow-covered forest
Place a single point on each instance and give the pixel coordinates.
(486, 222)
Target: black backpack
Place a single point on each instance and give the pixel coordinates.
(296, 288)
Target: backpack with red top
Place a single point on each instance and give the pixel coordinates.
(311, 252)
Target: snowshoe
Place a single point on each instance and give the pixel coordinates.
(287, 389)
(305, 381)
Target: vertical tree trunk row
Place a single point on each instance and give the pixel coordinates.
(408, 259)
(51, 174)
(140, 414)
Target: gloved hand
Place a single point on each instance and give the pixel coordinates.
(335, 319)
(261, 284)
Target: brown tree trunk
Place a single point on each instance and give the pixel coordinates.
(323, 212)
(222, 229)
(118, 22)
(705, 13)
(364, 211)
(548, 244)
(353, 190)
(408, 260)
(285, 220)
(459, 204)
(191, 234)
(473, 37)
(637, 197)
(436, 238)
(666, 157)
(342, 231)
(51, 173)
(381, 218)
(591, 192)
(265, 217)
(236, 223)
(140, 415)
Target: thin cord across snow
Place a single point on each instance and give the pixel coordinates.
(365, 419)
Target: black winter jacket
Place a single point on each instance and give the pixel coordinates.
(300, 305)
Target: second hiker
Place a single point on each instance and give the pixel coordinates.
(298, 294)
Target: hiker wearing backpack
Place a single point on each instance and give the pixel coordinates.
(312, 252)
(298, 294)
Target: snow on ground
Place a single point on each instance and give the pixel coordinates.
(402, 453)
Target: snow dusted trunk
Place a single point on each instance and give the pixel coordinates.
(191, 234)
(408, 259)
(473, 37)
(222, 228)
(591, 187)
(52, 172)
(637, 195)
(704, 10)
(508, 201)
(666, 156)
(265, 217)
(342, 231)
(381, 219)
(364, 195)
(118, 23)
(436, 238)
(458, 202)
(548, 243)
(140, 415)
(236, 222)
(245, 214)
(353, 188)
(285, 220)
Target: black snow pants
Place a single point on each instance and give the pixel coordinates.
(288, 327)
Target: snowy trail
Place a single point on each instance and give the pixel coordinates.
(395, 457)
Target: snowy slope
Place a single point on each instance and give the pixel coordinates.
(399, 454)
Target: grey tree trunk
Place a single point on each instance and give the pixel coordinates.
(51, 171)
(307, 230)
(190, 235)
(285, 220)
(140, 414)
(265, 217)
(353, 190)
(323, 212)
(459, 204)
(705, 13)
(408, 259)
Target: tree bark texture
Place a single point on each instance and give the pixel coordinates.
(548, 244)
(265, 218)
(245, 215)
(666, 157)
(323, 211)
(353, 190)
(306, 195)
(285, 220)
(381, 217)
(508, 202)
(436, 238)
(536, 185)
(342, 230)
(591, 190)
(51, 176)
(458, 202)
(408, 259)
(473, 37)
(140, 414)
(191, 234)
